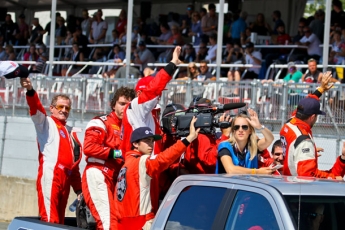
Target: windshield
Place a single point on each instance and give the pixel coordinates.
(317, 212)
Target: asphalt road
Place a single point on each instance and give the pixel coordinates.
(3, 226)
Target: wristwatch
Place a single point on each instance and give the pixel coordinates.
(262, 127)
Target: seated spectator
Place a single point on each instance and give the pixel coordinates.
(3, 54)
(212, 51)
(10, 55)
(260, 26)
(115, 37)
(196, 31)
(135, 35)
(204, 74)
(300, 32)
(174, 18)
(337, 54)
(76, 56)
(238, 27)
(209, 22)
(293, 75)
(201, 53)
(188, 54)
(165, 35)
(233, 54)
(43, 56)
(176, 38)
(143, 56)
(246, 36)
(312, 75)
(31, 55)
(134, 73)
(313, 43)
(118, 55)
(192, 72)
(68, 41)
(251, 57)
(60, 31)
(238, 155)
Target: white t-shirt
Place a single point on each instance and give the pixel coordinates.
(211, 54)
(97, 28)
(250, 60)
(314, 46)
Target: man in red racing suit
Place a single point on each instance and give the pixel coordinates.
(103, 157)
(141, 111)
(137, 188)
(299, 147)
(59, 154)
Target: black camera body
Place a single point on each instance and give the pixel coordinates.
(177, 123)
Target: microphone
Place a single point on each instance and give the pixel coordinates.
(230, 106)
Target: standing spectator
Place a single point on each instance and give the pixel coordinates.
(276, 16)
(82, 40)
(300, 32)
(102, 149)
(31, 55)
(260, 26)
(36, 36)
(143, 56)
(86, 23)
(317, 26)
(122, 22)
(59, 154)
(293, 75)
(313, 43)
(299, 147)
(187, 20)
(23, 34)
(138, 181)
(209, 22)
(9, 30)
(195, 31)
(60, 31)
(47, 28)
(99, 28)
(338, 14)
(238, 27)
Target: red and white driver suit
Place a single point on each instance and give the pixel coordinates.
(300, 152)
(59, 157)
(102, 137)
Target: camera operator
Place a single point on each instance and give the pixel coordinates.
(201, 155)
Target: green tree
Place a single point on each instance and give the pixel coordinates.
(311, 8)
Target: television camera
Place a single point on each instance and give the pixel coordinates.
(177, 122)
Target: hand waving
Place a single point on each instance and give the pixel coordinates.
(254, 120)
(326, 83)
(176, 54)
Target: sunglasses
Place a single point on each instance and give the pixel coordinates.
(203, 66)
(244, 127)
(191, 67)
(60, 107)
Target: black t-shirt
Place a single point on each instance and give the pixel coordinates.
(226, 152)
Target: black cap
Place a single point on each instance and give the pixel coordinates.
(249, 44)
(142, 133)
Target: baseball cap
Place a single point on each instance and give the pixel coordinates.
(142, 133)
(143, 82)
(172, 108)
(309, 106)
(249, 44)
(142, 43)
(200, 101)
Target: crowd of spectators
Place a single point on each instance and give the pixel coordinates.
(195, 31)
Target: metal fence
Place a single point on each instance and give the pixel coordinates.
(274, 102)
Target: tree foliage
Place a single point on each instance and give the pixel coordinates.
(310, 8)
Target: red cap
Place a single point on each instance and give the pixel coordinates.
(143, 83)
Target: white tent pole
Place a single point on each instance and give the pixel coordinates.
(52, 37)
(220, 37)
(129, 36)
(326, 34)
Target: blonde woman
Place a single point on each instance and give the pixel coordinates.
(238, 155)
(192, 72)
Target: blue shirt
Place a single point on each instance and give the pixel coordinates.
(196, 28)
(239, 26)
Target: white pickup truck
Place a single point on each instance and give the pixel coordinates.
(240, 202)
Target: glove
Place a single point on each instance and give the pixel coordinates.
(117, 154)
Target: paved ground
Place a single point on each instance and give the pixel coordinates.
(3, 226)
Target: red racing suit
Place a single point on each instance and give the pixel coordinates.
(141, 113)
(137, 187)
(300, 152)
(59, 157)
(102, 137)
